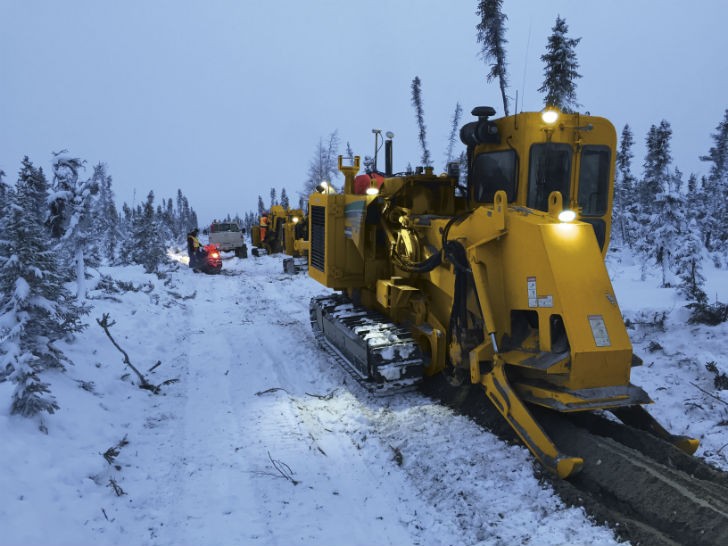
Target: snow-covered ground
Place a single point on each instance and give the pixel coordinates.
(257, 437)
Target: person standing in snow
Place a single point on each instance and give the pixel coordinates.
(193, 245)
(263, 226)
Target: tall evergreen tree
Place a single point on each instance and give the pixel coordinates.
(145, 245)
(106, 217)
(667, 225)
(656, 165)
(716, 189)
(420, 115)
(688, 259)
(65, 177)
(273, 198)
(261, 206)
(35, 308)
(491, 34)
(560, 72)
(454, 130)
(625, 210)
(78, 237)
(285, 203)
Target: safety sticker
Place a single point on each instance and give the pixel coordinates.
(599, 331)
(545, 301)
(531, 287)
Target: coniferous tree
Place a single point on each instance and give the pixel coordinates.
(668, 224)
(420, 115)
(4, 192)
(284, 199)
(716, 190)
(688, 259)
(65, 177)
(273, 198)
(656, 165)
(349, 153)
(625, 213)
(35, 308)
(147, 247)
(78, 237)
(454, 130)
(491, 34)
(654, 196)
(560, 72)
(261, 206)
(106, 217)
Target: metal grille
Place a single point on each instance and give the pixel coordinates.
(318, 237)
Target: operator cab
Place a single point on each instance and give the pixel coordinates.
(529, 158)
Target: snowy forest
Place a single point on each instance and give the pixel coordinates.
(52, 233)
(54, 230)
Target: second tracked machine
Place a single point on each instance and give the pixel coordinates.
(499, 282)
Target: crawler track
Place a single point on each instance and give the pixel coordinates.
(647, 490)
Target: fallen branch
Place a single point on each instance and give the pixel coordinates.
(709, 394)
(143, 383)
(271, 390)
(327, 396)
(283, 469)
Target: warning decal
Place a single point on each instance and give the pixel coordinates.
(599, 331)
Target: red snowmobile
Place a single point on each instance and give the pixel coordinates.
(207, 259)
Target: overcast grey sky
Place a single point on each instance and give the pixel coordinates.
(225, 98)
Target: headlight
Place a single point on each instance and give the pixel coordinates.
(550, 116)
(567, 216)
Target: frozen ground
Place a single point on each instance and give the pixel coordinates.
(260, 439)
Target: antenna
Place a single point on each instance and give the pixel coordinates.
(525, 62)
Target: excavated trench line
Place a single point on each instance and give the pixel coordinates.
(649, 492)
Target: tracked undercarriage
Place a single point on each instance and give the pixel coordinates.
(379, 354)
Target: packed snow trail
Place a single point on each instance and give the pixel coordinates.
(262, 438)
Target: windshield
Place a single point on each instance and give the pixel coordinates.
(549, 170)
(215, 228)
(492, 172)
(594, 180)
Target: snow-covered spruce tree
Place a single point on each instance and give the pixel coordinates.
(106, 217)
(146, 244)
(668, 224)
(715, 225)
(78, 238)
(454, 131)
(625, 211)
(491, 34)
(165, 229)
(655, 181)
(65, 177)
(324, 165)
(285, 202)
(688, 260)
(420, 116)
(656, 164)
(261, 206)
(35, 308)
(560, 71)
(170, 222)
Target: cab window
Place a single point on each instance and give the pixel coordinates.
(549, 170)
(594, 180)
(492, 172)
